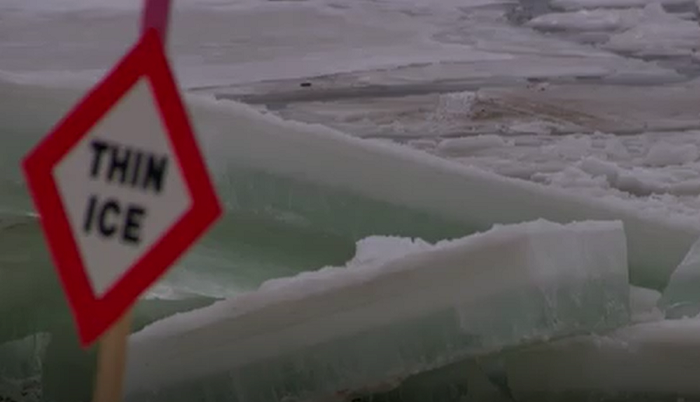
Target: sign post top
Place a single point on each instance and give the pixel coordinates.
(156, 15)
(121, 188)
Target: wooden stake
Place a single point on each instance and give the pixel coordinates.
(111, 362)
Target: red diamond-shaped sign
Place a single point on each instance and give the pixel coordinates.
(121, 188)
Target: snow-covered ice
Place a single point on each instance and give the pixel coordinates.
(667, 154)
(645, 32)
(376, 321)
(659, 34)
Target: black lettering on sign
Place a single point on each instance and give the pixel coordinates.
(98, 149)
(135, 169)
(107, 229)
(109, 219)
(132, 224)
(89, 214)
(119, 163)
(128, 166)
(155, 173)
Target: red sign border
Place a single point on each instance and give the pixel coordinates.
(94, 315)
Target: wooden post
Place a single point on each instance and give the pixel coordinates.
(111, 362)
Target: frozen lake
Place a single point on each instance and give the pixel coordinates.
(342, 134)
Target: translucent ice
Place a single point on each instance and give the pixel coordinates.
(370, 326)
(681, 298)
(655, 360)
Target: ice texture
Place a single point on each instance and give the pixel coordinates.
(658, 33)
(293, 155)
(665, 154)
(592, 4)
(586, 20)
(470, 144)
(373, 324)
(650, 359)
(681, 298)
(300, 185)
(38, 342)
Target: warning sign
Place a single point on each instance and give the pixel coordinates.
(121, 188)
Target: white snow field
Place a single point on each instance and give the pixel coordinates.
(374, 323)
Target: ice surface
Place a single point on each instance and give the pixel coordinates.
(368, 325)
(644, 305)
(212, 42)
(643, 32)
(470, 144)
(658, 34)
(588, 4)
(587, 20)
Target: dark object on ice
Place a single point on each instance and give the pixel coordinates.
(305, 84)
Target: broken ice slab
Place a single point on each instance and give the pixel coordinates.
(368, 326)
(681, 298)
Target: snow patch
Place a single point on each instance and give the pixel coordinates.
(666, 154)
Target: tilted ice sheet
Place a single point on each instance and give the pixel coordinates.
(476, 198)
(377, 322)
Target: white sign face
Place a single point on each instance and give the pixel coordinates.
(122, 187)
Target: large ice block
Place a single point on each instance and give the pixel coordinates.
(337, 329)
(314, 172)
(681, 298)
